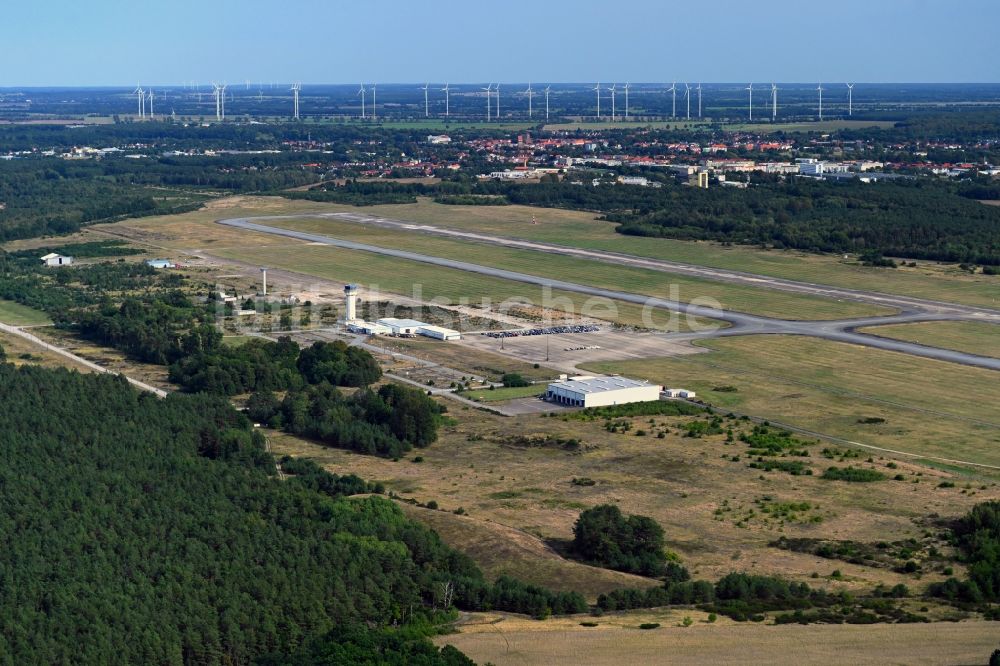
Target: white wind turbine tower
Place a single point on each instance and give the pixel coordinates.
(774, 101)
(547, 89)
(625, 88)
(296, 87)
(142, 100)
(750, 90)
(850, 106)
(598, 89)
(820, 89)
(687, 96)
(447, 109)
(427, 107)
(529, 92)
(699, 98)
(498, 101)
(217, 90)
(150, 97)
(489, 106)
(373, 100)
(673, 91)
(362, 92)
(612, 91)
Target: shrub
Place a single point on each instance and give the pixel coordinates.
(853, 474)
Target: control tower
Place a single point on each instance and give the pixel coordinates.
(351, 303)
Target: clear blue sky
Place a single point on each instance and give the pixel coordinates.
(114, 42)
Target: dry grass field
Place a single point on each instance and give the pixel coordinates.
(513, 474)
(20, 352)
(931, 408)
(616, 640)
(766, 302)
(973, 337)
(927, 280)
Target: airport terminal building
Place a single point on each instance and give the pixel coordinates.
(600, 391)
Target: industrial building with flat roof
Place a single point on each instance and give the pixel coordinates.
(600, 391)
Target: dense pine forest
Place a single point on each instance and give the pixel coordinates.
(146, 530)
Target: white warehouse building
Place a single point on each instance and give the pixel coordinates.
(601, 391)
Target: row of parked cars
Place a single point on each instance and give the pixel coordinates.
(550, 330)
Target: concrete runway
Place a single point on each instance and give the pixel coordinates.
(912, 309)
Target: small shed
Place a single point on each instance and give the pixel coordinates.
(53, 259)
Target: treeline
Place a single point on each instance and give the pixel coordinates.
(388, 422)
(262, 365)
(147, 530)
(977, 536)
(54, 196)
(157, 329)
(917, 219)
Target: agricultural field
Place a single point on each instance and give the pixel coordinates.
(16, 314)
(878, 398)
(944, 282)
(972, 337)
(504, 639)
(815, 126)
(601, 274)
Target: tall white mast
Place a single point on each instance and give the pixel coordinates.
(598, 89)
(850, 106)
(547, 89)
(626, 87)
(774, 101)
(820, 89)
(447, 109)
(362, 92)
(427, 107)
(750, 90)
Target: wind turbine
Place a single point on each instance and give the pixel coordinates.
(547, 89)
(820, 89)
(489, 107)
(498, 101)
(749, 88)
(612, 91)
(774, 101)
(530, 93)
(447, 110)
(150, 97)
(222, 95)
(296, 87)
(625, 88)
(216, 90)
(699, 99)
(673, 91)
(373, 100)
(362, 92)
(850, 108)
(598, 89)
(142, 100)
(687, 96)
(427, 108)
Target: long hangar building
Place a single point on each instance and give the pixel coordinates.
(600, 391)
